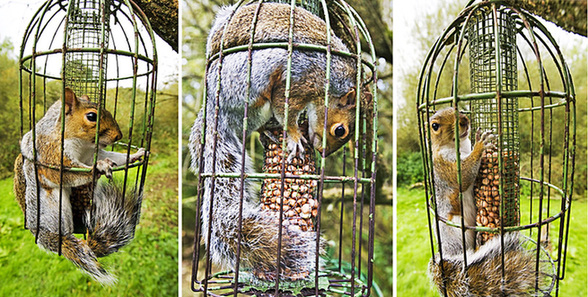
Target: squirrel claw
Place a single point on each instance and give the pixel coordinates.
(486, 138)
(271, 136)
(138, 155)
(296, 148)
(105, 167)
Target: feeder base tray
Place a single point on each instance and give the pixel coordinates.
(331, 283)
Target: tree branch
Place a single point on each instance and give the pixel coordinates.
(570, 15)
(163, 16)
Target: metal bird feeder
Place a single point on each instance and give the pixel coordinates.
(519, 84)
(311, 175)
(101, 48)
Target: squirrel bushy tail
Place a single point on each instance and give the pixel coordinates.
(111, 222)
(483, 276)
(78, 252)
(259, 232)
(111, 225)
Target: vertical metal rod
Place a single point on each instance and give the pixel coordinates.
(542, 142)
(214, 150)
(428, 170)
(32, 112)
(342, 209)
(199, 177)
(498, 89)
(101, 95)
(571, 102)
(148, 129)
(324, 141)
(62, 144)
(243, 151)
(358, 105)
(200, 181)
(454, 104)
(284, 138)
(372, 212)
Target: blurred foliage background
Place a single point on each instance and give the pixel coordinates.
(197, 17)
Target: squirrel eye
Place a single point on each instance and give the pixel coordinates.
(91, 116)
(340, 131)
(435, 126)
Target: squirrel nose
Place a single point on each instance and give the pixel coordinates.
(118, 135)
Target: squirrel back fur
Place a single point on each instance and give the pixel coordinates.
(259, 234)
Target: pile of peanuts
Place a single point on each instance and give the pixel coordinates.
(300, 206)
(487, 192)
(81, 201)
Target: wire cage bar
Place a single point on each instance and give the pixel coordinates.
(283, 182)
(502, 68)
(68, 44)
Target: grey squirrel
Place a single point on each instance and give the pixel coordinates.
(259, 234)
(110, 222)
(483, 276)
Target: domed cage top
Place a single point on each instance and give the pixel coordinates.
(104, 49)
(293, 191)
(521, 90)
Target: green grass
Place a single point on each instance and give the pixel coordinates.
(148, 266)
(414, 249)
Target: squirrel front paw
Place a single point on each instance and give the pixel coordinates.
(105, 167)
(485, 138)
(138, 155)
(295, 147)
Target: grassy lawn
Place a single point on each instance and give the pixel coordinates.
(414, 249)
(148, 266)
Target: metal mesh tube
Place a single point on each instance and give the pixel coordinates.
(493, 68)
(85, 71)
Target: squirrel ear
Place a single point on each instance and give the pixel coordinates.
(71, 101)
(348, 100)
